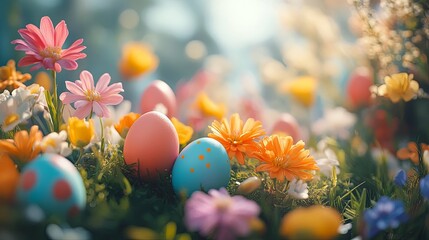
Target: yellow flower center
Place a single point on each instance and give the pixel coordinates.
(50, 142)
(92, 95)
(51, 52)
(222, 204)
(282, 161)
(12, 118)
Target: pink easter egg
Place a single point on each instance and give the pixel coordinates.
(358, 92)
(156, 96)
(288, 125)
(152, 145)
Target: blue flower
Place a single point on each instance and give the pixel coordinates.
(424, 187)
(385, 214)
(400, 178)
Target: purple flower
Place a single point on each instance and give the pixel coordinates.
(400, 178)
(220, 214)
(424, 187)
(385, 214)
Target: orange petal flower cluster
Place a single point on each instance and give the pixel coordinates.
(284, 160)
(25, 145)
(237, 138)
(10, 78)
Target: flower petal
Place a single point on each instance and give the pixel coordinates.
(47, 30)
(61, 33)
(103, 82)
(87, 80)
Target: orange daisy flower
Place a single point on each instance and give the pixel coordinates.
(237, 138)
(24, 147)
(283, 159)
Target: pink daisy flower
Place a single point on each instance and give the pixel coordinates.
(43, 47)
(88, 99)
(220, 214)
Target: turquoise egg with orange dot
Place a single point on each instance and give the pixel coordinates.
(52, 183)
(201, 166)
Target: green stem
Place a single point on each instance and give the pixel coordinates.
(80, 156)
(54, 77)
(102, 136)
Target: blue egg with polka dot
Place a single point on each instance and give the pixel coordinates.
(52, 183)
(202, 165)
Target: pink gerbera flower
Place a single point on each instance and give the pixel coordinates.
(43, 47)
(220, 215)
(89, 99)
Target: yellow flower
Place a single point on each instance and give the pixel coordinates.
(399, 86)
(137, 59)
(125, 123)
(303, 89)
(315, 222)
(10, 78)
(80, 131)
(208, 107)
(25, 145)
(184, 132)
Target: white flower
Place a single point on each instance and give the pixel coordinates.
(56, 232)
(336, 122)
(16, 108)
(326, 159)
(56, 143)
(298, 189)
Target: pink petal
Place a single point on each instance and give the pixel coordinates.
(87, 80)
(48, 63)
(27, 60)
(68, 64)
(83, 111)
(113, 99)
(112, 89)
(81, 103)
(68, 98)
(75, 88)
(47, 30)
(57, 67)
(61, 33)
(103, 82)
(74, 56)
(32, 40)
(21, 45)
(37, 35)
(74, 48)
(101, 110)
(35, 67)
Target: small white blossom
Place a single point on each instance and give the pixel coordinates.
(16, 108)
(326, 159)
(298, 189)
(56, 143)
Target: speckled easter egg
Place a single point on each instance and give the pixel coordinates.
(54, 184)
(202, 165)
(152, 145)
(287, 124)
(158, 96)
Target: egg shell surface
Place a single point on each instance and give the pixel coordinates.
(152, 145)
(54, 184)
(158, 92)
(202, 165)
